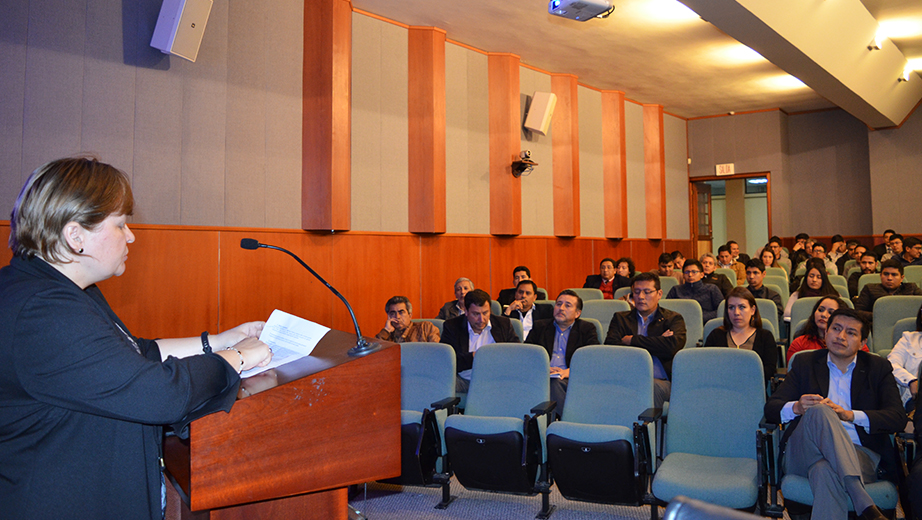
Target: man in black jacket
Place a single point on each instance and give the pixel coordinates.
(659, 331)
(519, 273)
(561, 336)
(842, 406)
(891, 284)
(472, 330)
(524, 308)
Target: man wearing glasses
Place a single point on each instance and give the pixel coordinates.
(707, 295)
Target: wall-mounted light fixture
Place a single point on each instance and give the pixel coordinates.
(906, 72)
(877, 42)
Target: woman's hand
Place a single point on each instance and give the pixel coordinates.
(253, 352)
(233, 336)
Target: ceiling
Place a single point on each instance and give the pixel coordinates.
(661, 51)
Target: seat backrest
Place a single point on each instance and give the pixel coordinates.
(729, 273)
(837, 279)
(427, 374)
(508, 380)
(843, 291)
(691, 313)
(866, 279)
(901, 326)
(495, 308)
(518, 328)
(588, 294)
(710, 326)
(801, 309)
(598, 328)
(435, 321)
(621, 292)
(782, 284)
(913, 273)
(603, 311)
(797, 329)
(848, 265)
(666, 283)
(716, 402)
(609, 385)
(776, 271)
(769, 313)
(777, 289)
(887, 311)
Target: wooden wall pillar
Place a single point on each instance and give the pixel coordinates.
(614, 164)
(654, 156)
(505, 141)
(565, 142)
(426, 114)
(327, 116)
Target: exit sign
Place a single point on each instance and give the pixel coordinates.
(725, 169)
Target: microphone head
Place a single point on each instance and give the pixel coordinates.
(249, 243)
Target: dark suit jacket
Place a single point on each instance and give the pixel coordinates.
(764, 345)
(543, 311)
(582, 333)
(873, 391)
(875, 291)
(625, 323)
(507, 295)
(594, 281)
(454, 333)
(721, 281)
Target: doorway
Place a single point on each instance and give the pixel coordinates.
(731, 208)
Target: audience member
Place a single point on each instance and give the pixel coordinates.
(814, 283)
(767, 256)
(819, 251)
(906, 358)
(456, 307)
(912, 252)
(659, 331)
(666, 269)
(735, 252)
(725, 260)
(708, 266)
(399, 326)
(519, 273)
(800, 242)
(867, 264)
(836, 248)
(561, 336)
(625, 268)
(607, 280)
(678, 261)
(828, 439)
(813, 333)
(894, 246)
(707, 295)
(891, 284)
(472, 330)
(755, 274)
(523, 307)
(781, 256)
(883, 248)
(742, 329)
(851, 253)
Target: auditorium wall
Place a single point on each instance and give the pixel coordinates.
(896, 168)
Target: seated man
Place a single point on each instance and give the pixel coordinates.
(472, 330)
(707, 295)
(521, 272)
(678, 261)
(755, 273)
(912, 252)
(400, 329)
(867, 264)
(725, 259)
(708, 265)
(891, 284)
(523, 307)
(659, 331)
(842, 406)
(607, 280)
(666, 269)
(781, 255)
(456, 306)
(884, 248)
(851, 253)
(561, 336)
(894, 246)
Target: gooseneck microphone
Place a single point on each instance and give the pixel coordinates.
(363, 346)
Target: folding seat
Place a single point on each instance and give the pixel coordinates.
(498, 444)
(887, 311)
(913, 273)
(711, 449)
(427, 385)
(837, 279)
(709, 328)
(666, 283)
(776, 271)
(435, 321)
(598, 328)
(495, 308)
(601, 449)
(800, 311)
(866, 279)
(729, 273)
(693, 316)
(621, 292)
(518, 328)
(780, 284)
(603, 310)
(588, 294)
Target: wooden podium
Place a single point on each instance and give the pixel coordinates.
(296, 437)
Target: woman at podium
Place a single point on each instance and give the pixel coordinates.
(82, 401)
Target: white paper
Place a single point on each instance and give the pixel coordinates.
(290, 337)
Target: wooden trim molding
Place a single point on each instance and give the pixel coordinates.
(326, 160)
(505, 129)
(565, 143)
(654, 171)
(426, 124)
(614, 164)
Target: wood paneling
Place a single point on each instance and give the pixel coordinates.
(505, 129)
(5, 253)
(445, 259)
(645, 253)
(506, 253)
(654, 171)
(569, 261)
(614, 164)
(565, 141)
(426, 126)
(327, 116)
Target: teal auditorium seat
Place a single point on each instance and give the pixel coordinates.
(598, 328)
(666, 283)
(621, 292)
(499, 443)
(600, 450)
(495, 308)
(603, 310)
(518, 328)
(887, 311)
(714, 412)
(588, 294)
(866, 279)
(435, 321)
(776, 271)
(729, 273)
(691, 313)
(780, 284)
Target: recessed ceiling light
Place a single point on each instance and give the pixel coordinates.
(734, 54)
(781, 82)
(900, 28)
(663, 11)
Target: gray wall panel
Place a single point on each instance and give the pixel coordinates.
(393, 192)
(677, 225)
(537, 187)
(13, 24)
(895, 170)
(636, 191)
(591, 184)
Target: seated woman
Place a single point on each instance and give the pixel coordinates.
(814, 283)
(742, 328)
(768, 257)
(624, 269)
(813, 333)
(906, 357)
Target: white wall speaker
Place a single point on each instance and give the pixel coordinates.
(540, 112)
(181, 26)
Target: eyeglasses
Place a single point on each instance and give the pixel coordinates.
(693, 272)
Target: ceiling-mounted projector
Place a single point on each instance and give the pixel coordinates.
(579, 10)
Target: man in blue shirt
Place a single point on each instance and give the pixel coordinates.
(707, 295)
(842, 405)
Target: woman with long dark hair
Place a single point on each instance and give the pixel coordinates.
(814, 283)
(742, 329)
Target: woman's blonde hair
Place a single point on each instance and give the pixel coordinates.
(74, 189)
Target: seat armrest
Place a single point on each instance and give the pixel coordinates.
(445, 403)
(650, 415)
(544, 408)
(767, 426)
